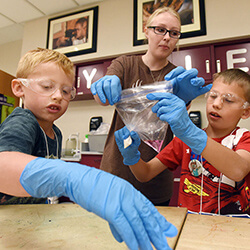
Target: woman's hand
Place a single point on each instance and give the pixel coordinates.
(108, 88)
(186, 84)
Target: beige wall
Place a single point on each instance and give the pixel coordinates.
(225, 20)
(9, 56)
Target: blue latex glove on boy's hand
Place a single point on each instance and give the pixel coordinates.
(186, 84)
(131, 154)
(107, 88)
(132, 218)
(172, 110)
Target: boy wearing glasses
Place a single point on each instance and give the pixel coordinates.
(45, 83)
(215, 161)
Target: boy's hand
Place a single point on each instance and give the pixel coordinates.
(132, 218)
(186, 84)
(131, 154)
(172, 110)
(107, 88)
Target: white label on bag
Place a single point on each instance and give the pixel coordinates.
(127, 142)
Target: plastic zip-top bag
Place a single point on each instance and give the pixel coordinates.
(136, 113)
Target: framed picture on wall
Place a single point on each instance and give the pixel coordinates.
(192, 14)
(74, 34)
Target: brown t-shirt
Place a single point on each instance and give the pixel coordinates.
(132, 70)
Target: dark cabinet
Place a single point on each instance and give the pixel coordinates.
(199, 58)
(232, 56)
(214, 58)
(208, 59)
(86, 74)
(92, 160)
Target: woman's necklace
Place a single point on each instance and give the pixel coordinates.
(158, 78)
(151, 73)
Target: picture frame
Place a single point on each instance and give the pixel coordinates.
(74, 34)
(192, 13)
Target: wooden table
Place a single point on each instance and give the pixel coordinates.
(214, 232)
(65, 226)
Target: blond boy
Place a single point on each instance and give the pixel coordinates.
(45, 83)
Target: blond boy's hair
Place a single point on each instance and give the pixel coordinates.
(162, 10)
(38, 56)
(238, 76)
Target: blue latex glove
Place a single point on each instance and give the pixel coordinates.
(132, 218)
(173, 110)
(107, 88)
(186, 84)
(131, 155)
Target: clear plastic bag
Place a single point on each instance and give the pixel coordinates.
(135, 111)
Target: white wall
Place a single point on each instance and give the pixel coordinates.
(9, 56)
(225, 20)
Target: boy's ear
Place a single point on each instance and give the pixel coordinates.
(246, 113)
(17, 88)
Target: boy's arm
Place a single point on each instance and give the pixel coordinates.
(235, 165)
(12, 165)
(132, 218)
(146, 171)
(143, 171)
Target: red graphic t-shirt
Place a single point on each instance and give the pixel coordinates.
(216, 189)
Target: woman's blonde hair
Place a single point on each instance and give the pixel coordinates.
(162, 10)
(35, 57)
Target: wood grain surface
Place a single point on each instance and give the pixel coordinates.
(64, 226)
(214, 232)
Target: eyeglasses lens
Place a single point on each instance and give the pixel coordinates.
(163, 31)
(48, 88)
(228, 100)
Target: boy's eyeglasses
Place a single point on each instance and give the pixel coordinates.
(228, 100)
(48, 88)
(163, 31)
